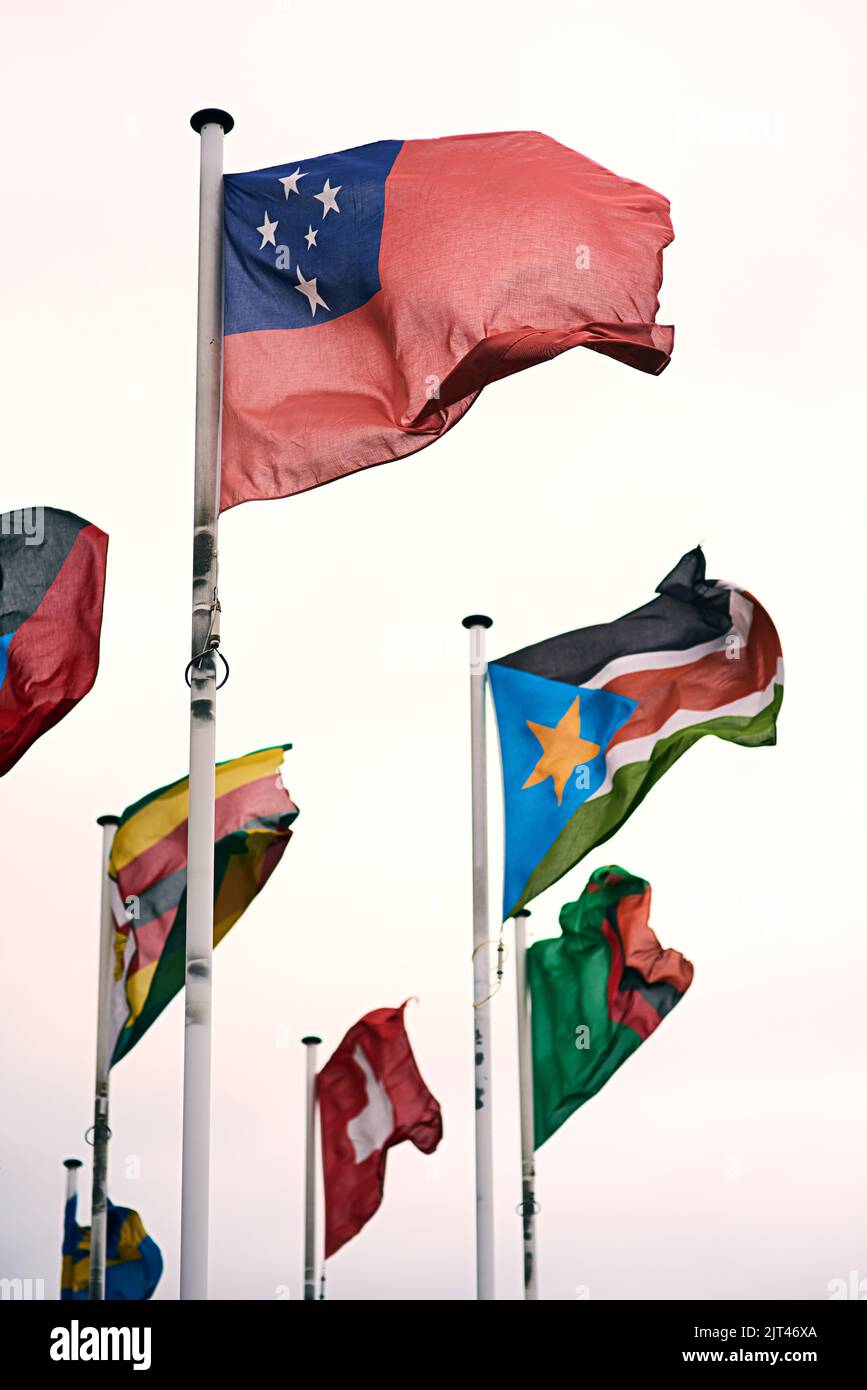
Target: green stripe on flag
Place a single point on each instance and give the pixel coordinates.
(597, 820)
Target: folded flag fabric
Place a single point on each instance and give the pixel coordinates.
(133, 1261)
(52, 578)
(371, 1097)
(148, 872)
(371, 294)
(589, 721)
(596, 992)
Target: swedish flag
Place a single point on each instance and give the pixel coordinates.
(133, 1262)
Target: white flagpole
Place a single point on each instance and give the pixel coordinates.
(211, 125)
(101, 1133)
(477, 625)
(525, 1088)
(311, 1043)
(72, 1166)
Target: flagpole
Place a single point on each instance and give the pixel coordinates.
(101, 1132)
(477, 624)
(311, 1043)
(211, 125)
(72, 1166)
(525, 1090)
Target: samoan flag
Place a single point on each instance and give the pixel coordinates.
(133, 1261)
(371, 294)
(52, 579)
(589, 721)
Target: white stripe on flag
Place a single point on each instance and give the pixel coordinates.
(741, 613)
(638, 750)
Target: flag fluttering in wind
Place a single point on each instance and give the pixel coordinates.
(371, 1097)
(133, 1263)
(148, 869)
(589, 721)
(371, 294)
(597, 991)
(52, 578)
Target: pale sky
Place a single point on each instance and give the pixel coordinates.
(726, 1158)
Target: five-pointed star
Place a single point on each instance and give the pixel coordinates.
(290, 183)
(563, 749)
(308, 287)
(328, 198)
(267, 230)
(310, 237)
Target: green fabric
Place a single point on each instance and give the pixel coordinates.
(598, 819)
(568, 978)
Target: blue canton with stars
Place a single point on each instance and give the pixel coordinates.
(302, 239)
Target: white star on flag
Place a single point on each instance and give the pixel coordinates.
(308, 287)
(310, 237)
(267, 230)
(290, 184)
(328, 198)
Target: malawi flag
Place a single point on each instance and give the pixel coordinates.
(589, 721)
(148, 869)
(596, 992)
(52, 577)
(371, 294)
(133, 1261)
(371, 1097)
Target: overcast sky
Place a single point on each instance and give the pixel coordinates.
(726, 1158)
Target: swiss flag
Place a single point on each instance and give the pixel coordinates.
(371, 1097)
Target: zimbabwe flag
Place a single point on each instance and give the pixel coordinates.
(597, 991)
(148, 869)
(589, 721)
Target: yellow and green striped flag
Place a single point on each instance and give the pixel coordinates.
(148, 872)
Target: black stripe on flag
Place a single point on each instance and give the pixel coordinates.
(689, 611)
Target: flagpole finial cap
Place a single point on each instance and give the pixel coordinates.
(311, 1040)
(477, 620)
(108, 820)
(72, 1163)
(212, 115)
(523, 912)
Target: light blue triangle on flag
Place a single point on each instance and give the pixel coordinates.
(534, 818)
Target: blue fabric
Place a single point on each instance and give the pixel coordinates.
(261, 280)
(132, 1279)
(5, 639)
(534, 818)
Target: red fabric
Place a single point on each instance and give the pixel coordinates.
(54, 655)
(479, 280)
(353, 1183)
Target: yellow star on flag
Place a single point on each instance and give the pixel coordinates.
(563, 749)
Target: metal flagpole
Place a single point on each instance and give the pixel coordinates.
(211, 125)
(525, 1090)
(101, 1131)
(477, 624)
(72, 1166)
(311, 1043)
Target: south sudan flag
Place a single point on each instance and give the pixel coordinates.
(589, 721)
(148, 869)
(52, 577)
(133, 1261)
(597, 991)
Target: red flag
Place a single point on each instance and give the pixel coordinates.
(52, 578)
(371, 294)
(371, 1097)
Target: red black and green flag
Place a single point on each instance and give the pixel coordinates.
(52, 578)
(596, 991)
(589, 721)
